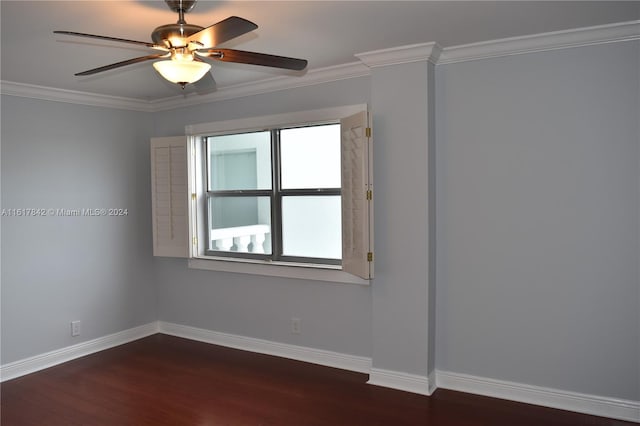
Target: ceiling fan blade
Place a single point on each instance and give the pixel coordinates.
(224, 30)
(121, 64)
(120, 40)
(253, 58)
(206, 84)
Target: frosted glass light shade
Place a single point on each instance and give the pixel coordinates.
(182, 72)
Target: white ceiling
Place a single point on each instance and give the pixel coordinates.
(326, 33)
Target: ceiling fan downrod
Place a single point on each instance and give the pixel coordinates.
(181, 7)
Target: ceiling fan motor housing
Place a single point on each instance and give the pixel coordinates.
(172, 32)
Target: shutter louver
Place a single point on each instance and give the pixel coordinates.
(169, 196)
(357, 190)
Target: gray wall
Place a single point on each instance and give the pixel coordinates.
(59, 269)
(538, 223)
(344, 92)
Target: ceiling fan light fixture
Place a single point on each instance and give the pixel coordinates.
(182, 72)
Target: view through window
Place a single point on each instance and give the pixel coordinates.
(275, 194)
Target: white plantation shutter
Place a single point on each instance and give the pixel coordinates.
(357, 196)
(169, 196)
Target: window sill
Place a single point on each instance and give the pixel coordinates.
(314, 272)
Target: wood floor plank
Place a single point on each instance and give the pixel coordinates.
(164, 380)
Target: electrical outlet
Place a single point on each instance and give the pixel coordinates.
(75, 328)
(295, 325)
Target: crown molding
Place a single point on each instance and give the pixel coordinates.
(312, 77)
(401, 55)
(431, 52)
(72, 96)
(623, 31)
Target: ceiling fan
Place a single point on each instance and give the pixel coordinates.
(182, 45)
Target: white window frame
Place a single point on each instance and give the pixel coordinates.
(197, 258)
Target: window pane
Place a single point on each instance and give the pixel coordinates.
(241, 161)
(240, 224)
(311, 226)
(310, 157)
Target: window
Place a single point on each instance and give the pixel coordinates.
(274, 194)
(269, 193)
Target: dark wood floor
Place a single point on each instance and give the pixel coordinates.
(163, 380)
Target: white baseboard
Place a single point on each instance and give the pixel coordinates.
(40, 362)
(391, 379)
(401, 381)
(299, 353)
(553, 398)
